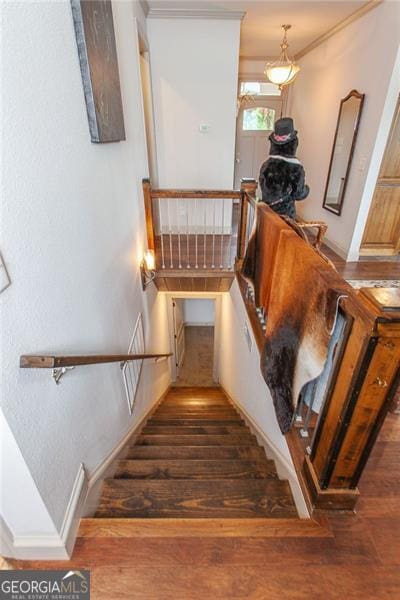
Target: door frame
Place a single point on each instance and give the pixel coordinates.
(217, 296)
(258, 100)
(382, 181)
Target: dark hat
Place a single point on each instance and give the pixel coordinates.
(284, 131)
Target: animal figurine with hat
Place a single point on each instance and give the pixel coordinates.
(282, 177)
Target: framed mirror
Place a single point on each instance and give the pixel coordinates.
(342, 151)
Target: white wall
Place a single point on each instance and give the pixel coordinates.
(72, 237)
(199, 312)
(239, 370)
(362, 57)
(194, 66)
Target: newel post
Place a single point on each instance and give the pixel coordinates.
(148, 211)
(362, 388)
(247, 186)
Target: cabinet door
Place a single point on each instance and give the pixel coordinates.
(382, 231)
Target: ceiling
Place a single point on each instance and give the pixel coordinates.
(261, 27)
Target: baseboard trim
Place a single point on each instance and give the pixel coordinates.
(283, 466)
(60, 545)
(333, 246)
(57, 546)
(135, 429)
(70, 525)
(6, 539)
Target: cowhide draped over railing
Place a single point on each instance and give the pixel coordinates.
(310, 325)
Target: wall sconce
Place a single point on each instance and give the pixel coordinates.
(148, 268)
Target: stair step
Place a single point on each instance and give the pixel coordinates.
(196, 452)
(196, 469)
(155, 422)
(194, 430)
(199, 404)
(231, 439)
(196, 407)
(191, 414)
(205, 528)
(190, 498)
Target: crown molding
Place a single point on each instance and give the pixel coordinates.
(195, 13)
(341, 25)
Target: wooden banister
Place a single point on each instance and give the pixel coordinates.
(248, 189)
(148, 211)
(28, 361)
(365, 377)
(193, 194)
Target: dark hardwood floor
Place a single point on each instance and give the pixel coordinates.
(365, 268)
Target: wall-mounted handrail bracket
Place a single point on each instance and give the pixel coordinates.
(58, 373)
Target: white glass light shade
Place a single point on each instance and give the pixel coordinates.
(149, 260)
(281, 73)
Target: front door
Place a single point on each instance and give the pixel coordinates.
(255, 122)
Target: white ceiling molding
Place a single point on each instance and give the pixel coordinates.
(194, 13)
(350, 19)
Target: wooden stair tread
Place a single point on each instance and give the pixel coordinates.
(154, 422)
(196, 452)
(194, 498)
(198, 410)
(151, 429)
(196, 459)
(104, 527)
(231, 439)
(195, 469)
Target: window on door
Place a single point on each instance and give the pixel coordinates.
(259, 118)
(259, 88)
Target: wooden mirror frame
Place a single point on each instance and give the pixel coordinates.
(355, 94)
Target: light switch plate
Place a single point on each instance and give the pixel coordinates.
(204, 128)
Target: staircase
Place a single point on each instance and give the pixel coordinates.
(196, 458)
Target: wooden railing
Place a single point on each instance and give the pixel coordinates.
(62, 364)
(192, 230)
(364, 375)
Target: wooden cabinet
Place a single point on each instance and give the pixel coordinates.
(382, 231)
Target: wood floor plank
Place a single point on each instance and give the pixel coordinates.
(207, 499)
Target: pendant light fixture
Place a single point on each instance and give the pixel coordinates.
(283, 70)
